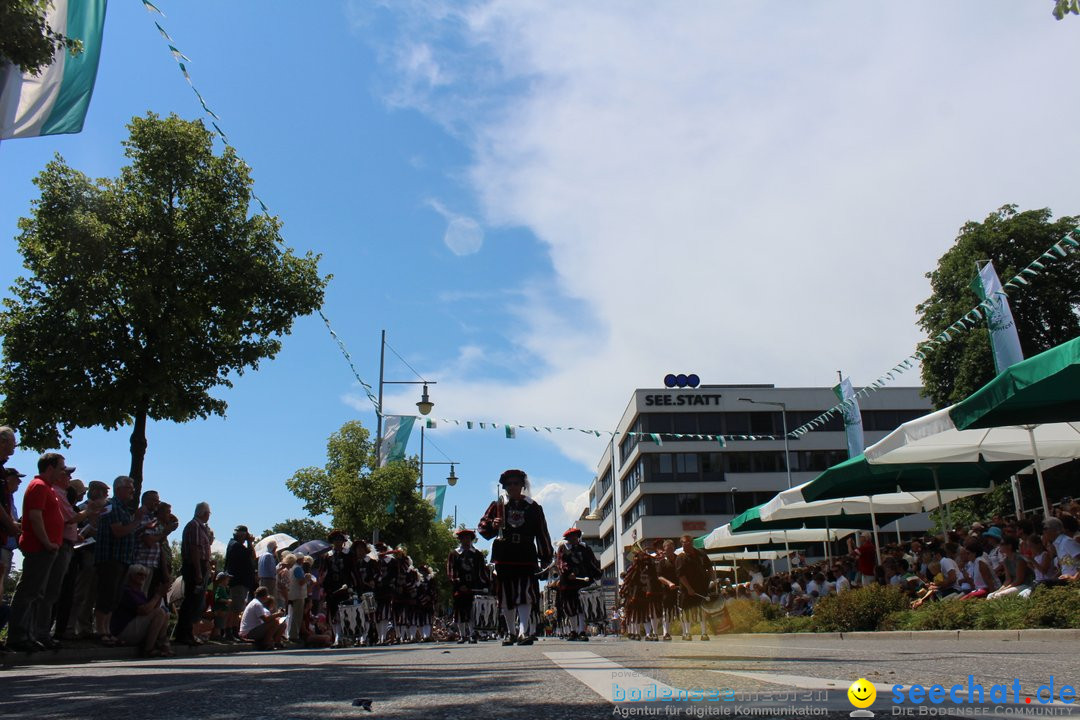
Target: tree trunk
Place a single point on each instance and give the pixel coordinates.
(138, 449)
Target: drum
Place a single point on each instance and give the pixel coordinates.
(716, 615)
(592, 602)
(486, 613)
(353, 621)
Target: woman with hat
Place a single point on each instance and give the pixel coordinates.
(521, 547)
(467, 570)
(577, 566)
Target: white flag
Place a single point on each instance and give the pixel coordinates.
(396, 432)
(852, 417)
(1004, 342)
(55, 101)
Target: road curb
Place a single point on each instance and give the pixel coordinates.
(1033, 634)
(87, 654)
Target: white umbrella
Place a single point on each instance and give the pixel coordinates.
(722, 538)
(934, 438)
(280, 539)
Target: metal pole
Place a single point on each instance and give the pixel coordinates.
(378, 410)
(1018, 497)
(873, 524)
(455, 516)
(421, 458)
(615, 482)
(1038, 471)
(787, 454)
(944, 511)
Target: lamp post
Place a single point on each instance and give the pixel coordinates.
(424, 406)
(733, 491)
(783, 420)
(451, 479)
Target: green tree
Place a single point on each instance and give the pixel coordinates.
(145, 291)
(1066, 7)
(26, 38)
(362, 499)
(1045, 312)
(303, 529)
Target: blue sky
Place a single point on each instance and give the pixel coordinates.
(549, 205)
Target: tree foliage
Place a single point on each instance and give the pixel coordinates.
(1045, 312)
(145, 291)
(1066, 7)
(303, 529)
(362, 499)
(26, 38)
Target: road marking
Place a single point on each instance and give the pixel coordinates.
(802, 682)
(599, 675)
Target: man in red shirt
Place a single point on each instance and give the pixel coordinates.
(42, 534)
(866, 560)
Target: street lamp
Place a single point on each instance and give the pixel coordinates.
(424, 406)
(783, 419)
(733, 491)
(451, 479)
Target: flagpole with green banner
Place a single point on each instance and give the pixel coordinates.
(396, 432)
(55, 101)
(1004, 341)
(853, 425)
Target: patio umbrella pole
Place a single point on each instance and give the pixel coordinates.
(1018, 500)
(873, 524)
(787, 549)
(945, 508)
(828, 541)
(1038, 470)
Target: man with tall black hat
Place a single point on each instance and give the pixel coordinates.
(386, 583)
(694, 572)
(521, 547)
(577, 566)
(466, 569)
(337, 574)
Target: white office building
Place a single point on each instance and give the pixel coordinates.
(644, 490)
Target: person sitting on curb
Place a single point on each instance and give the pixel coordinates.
(139, 620)
(261, 624)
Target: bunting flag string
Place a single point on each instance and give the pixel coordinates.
(1059, 250)
(971, 319)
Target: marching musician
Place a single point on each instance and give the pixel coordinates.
(695, 571)
(336, 572)
(577, 566)
(467, 570)
(521, 547)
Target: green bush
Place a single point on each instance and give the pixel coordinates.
(785, 625)
(1053, 607)
(862, 609)
(745, 615)
(1006, 613)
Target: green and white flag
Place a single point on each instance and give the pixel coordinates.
(852, 417)
(435, 494)
(396, 432)
(55, 102)
(1004, 342)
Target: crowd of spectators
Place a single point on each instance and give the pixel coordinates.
(1000, 558)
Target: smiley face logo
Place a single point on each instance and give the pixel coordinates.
(862, 693)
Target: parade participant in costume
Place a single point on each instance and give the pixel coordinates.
(467, 571)
(577, 566)
(365, 576)
(385, 590)
(336, 572)
(521, 547)
(426, 597)
(668, 574)
(694, 572)
(643, 595)
(405, 597)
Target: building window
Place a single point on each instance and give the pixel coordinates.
(605, 482)
(606, 510)
(686, 464)
(689, 504)
(663, 504)
(633, 478)
(685, 423)
(712, 467)
(717, 503)
(635, 513)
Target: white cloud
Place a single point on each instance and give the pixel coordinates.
(463, 235)
(562, 503)
(746, 193)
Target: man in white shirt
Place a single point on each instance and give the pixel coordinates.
(260, 624)
(1066, 549)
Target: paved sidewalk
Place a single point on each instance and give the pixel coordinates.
(86, 651)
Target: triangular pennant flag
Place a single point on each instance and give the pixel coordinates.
(162, 31)
(510, 432)
(430, 424)
(656, 439)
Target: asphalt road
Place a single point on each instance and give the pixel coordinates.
(554, 679)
